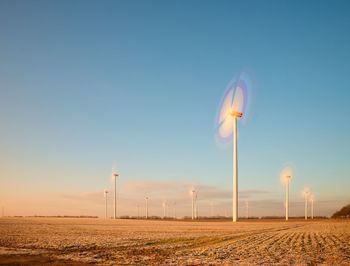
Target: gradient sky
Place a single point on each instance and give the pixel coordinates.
(85, 84)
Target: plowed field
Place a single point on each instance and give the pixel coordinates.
(58, 241)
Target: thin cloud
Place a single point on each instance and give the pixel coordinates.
(141, 186)
(182, 189)
(94, 196)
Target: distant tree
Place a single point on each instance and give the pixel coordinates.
(343, 212)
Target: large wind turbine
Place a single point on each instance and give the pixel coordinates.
(235, 116)
(231, 109)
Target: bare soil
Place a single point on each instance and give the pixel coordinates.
(70, 241)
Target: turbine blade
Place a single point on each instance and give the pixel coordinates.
(234, 87)
(221, 123)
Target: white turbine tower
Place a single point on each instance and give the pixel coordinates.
(235, 115)
(286, 177)
(138, 211)
(232, 108)
(164, 209)
(211, 210)
(105, 194)
(312, 199)
(174, 214)
(115, 176)
(247, 210)
(193, 196)
(196, 206)
(146, 207)
(306, 194)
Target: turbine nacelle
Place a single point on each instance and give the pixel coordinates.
(236, 114)
(311, 198)
(192, 192)
(306, 193)
(288, 178)
(286, 175)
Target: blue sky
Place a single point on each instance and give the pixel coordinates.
(84, 84)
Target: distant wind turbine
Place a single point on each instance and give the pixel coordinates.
(193, 196)
(105, 193)
(174, 210)
(247, 209)
(114, 176)
(146, 207)
(312, 199)
(196, 205)
(286, 177)
(306, 194)
(164, 207)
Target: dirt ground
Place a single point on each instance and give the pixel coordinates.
(68, 241)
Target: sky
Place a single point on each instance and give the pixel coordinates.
(88, 85)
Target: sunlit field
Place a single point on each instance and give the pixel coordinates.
(58, 241)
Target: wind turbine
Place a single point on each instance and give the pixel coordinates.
(164, 207)
(193, 196)
(231, 109)
(211, 209)
(286, 177)
(247, 210)
(146, 207)
(312, 199)
(174, 206)
(114, 176)
(235, 116)
(105, 193)
(306, 194)
(196, 206)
